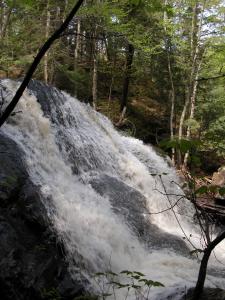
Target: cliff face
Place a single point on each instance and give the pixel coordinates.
(32, 263)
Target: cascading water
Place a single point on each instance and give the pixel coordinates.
(101, 194)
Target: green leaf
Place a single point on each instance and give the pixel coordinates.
(195, 251)
(143, 280)
(112, 273)
(222, 191)
(213, 188)
(135, 277)
(135, 2)
(119, 285)
(99, 274)
(158, 284)
(139, 273)
(191, 184)
(202, 190)
(149, 283)
(126, 272)
(135, 286)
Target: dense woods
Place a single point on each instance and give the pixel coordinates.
(156, 68)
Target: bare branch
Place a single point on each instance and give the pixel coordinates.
(36, 62)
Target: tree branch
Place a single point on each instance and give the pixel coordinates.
(203, 267)
(36, 62)
(210, 78)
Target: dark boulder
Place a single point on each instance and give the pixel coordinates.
(32, 263)
(131, 205)
(208, 294)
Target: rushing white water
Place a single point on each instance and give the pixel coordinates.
(72, 145)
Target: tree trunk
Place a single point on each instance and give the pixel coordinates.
(110, 96)
(95, 72)
(181, 123)
(94, 83)
(171, 123)
(172, 91)
(5, 18)
(65, 9)
(77, 46)
(172, 97)
(196, 57)
(192, 111)
(203, 266)
(76, 51)
(129, 60)
(47, 31)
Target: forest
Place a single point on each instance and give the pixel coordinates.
(155, 68)
(140, 125)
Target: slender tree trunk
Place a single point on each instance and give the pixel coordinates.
(2, 16)
(181, 123)
(129, 60)
(77, 46)
(172, 97)
(172, 101)
(171, 123)
(113, 62)
(94, 82)
(203, 266)
(5, 18)
(95, 71)
(196, 57)
(172, 91)
(194, 29)
(192, 110)
(65, 9)
(110, 95)
(47, 31)
(76, 50)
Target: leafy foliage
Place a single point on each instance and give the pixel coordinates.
(133, 282)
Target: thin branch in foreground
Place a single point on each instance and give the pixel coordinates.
(203, 267)
(178, 222)
(9, 109)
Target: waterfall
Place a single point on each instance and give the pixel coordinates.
(101, 192)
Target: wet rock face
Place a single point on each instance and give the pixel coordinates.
(131, 205)
(32, 265)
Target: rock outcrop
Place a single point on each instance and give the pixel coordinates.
(219, 177)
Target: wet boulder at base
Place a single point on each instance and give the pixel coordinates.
(208, 294)
(218, 179)
(32, 264)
